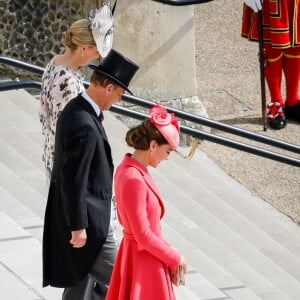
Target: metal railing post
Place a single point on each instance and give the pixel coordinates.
(8, 85)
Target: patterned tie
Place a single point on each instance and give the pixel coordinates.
(101, 116)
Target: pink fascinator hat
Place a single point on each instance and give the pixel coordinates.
(166, 123)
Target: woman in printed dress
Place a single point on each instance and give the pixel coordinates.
(145, 259)
(62, 81)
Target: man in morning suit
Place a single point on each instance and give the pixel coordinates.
(78, 243)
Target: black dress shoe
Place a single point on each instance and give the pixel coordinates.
(278, 122)
(293, 112)
(98, 293)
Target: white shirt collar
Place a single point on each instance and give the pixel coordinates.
(91, 101)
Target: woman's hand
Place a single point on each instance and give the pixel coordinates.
(183, 263)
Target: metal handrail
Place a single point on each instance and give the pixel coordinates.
(22, 84)
(218, 125)
(22, 65)
(183, 115)
(216, 139)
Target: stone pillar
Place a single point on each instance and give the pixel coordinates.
(160, 38)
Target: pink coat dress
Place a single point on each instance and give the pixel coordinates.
(141, 270)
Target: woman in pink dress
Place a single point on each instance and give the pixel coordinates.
(145, 259)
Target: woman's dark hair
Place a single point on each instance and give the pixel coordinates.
(139, 137)
(101, 79)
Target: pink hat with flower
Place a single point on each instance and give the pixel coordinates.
(166, 123)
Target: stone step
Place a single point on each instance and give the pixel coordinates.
(21, 145)
(21, 214)
(28, 110)
(215, 277)
(21, 190)
(26, 145)
(256, 210)
(22, 167)
(183, 293)
(215, 261)
(200, 266)
(21, 120)
(13, 287)
(270, 245)
(242, 250)
(25, 102)
(21, 263)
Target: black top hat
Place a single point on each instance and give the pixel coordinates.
(118, 68)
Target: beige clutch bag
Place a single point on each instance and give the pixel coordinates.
(177, 276)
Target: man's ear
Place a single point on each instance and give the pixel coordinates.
(109, 88)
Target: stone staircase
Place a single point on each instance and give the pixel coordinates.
(238, 247)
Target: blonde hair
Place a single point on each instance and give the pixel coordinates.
(78, 34)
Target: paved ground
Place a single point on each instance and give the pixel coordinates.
(228, 84)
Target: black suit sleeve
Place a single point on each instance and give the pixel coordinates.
(79, 147)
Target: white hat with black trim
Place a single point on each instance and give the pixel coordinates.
(102, 25)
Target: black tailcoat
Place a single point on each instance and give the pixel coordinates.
(79, 195)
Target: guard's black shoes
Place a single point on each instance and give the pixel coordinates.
(293, 112)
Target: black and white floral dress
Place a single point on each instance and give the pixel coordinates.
(59, 85)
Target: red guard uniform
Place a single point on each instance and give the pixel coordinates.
(281, 33)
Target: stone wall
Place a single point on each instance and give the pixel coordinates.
(30, 30)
